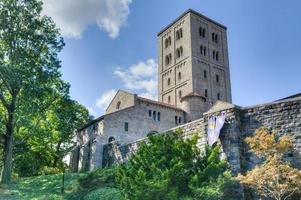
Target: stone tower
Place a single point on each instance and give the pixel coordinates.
(193, 64)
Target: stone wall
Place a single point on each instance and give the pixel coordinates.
(284, 117)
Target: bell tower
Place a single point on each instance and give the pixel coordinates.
(193, 64)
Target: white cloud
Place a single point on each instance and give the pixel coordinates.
(140, 78)
(73, 16)
(92, 111)
(105, 99)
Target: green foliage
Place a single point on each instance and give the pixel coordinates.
(169, 167)
(37, 116)
(100, 181)
(104, 194)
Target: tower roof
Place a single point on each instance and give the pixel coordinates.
(193, 94)
(194, 12)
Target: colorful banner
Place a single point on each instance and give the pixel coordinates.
(215, 125)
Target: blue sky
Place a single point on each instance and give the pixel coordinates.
(112, 44)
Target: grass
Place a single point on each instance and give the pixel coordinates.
(40, 188)
(96, 185)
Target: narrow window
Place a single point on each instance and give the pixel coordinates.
(176, 119)
(216, 38)
(118, 105)
(181, 33)
(180, 94)
(169, 40)
(126, 126)
(205, 74)
(177, 34)
(168, 81)
(166, 60)
(205, 51)
(204, 33)
(168, 99)
(149, 113)
(166, 43)
(213, 55)
(217, 56)
(178, 53)
(159, 116)
(180, 120)
(212, 37)
(154, 115)
(206, 93)
(218, 96)
(217, 78)
(169, 58)
(179, 76)
(181, 51)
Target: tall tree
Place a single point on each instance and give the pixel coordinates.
(29, 47)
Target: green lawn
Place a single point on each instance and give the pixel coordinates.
(40, 187)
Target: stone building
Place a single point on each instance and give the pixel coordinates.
(193, 84)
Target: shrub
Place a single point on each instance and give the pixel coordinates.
(104, 194)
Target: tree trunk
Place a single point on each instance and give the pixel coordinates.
(8, 143)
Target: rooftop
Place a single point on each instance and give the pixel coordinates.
(194, 12)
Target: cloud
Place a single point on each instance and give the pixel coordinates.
(105, 99)
(73, 16)
(92, 111)
(140, 78)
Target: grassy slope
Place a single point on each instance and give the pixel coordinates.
(40, 187)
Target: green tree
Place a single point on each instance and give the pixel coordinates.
(29, 47)
(169, 167)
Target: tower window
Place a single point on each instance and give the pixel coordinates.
(217, 78)
(168, 81)
(215, 55)
(179, 76)
(206, 93)
(205, 74)
(118, 105)
(167, 42)
(180, 120)
(203, 50)
(218, 96)
(176, 119)
(214, 37)
(168, 99)
(179, 52)
(202, 32)
(168, 59)
(159, 116)
(149, 113)
(154, 115)
(179, 34)
(126, 126)
(180, 94)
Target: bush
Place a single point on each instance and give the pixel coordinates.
(49, 171)
(169, 167)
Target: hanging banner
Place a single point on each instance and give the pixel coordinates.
(211, 131)
(215, 125)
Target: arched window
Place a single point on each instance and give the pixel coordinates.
(168, 81)
(154, 115)
(181, 51)
(166, 43)
(168, 99)
(205, 51)
(118, 105)
(169, 40)
(218, 96)
(206, 93)
(168, 59)
(179, 34)
(180, 94)
(202, 32)
(178, 53)
(214, 55)
(149, 113)
(205, 74)
(179, 76)
(180, 120)
(217, 56)
(213, 37)
(159, 116)
(111, 139)
(176, 119)
(216, 38)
